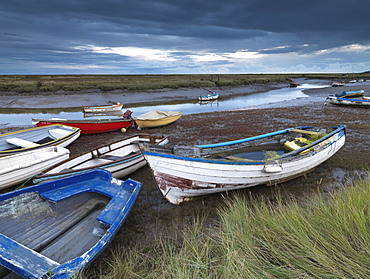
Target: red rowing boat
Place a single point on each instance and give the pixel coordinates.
(90, 126)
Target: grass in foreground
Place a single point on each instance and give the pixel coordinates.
(325, 238)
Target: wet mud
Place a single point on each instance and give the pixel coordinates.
(153, 216)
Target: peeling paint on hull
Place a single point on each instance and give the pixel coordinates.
(182, 178)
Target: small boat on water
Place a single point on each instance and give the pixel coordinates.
(363, 102)
(56, 229)
(90, 126)
(336, 84)
(102, 108)
(350, 94)
(17, 168)
(156, 118)
(35, 138)
(121, 158)
(185, 172)
(293, 84)
(209, 97)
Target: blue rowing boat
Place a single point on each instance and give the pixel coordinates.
(56, 229)
(350, 94)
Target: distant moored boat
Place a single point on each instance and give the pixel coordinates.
(103, 108)
(209, 97)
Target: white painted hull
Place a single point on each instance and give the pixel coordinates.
(121, 158)
(104, 108)
(17, 168)
(360, 102)
(209, 97)
(183, 178)
(36, 138)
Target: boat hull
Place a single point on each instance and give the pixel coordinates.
(17, 168)
(89, 126)
(351, 94)
(361, 102)
(149, 123)
(103, 108)
(60, 227)
(38, 137)
(120, 158)
(294, 84)
(183, 178)
(336, 84)
(210, 97)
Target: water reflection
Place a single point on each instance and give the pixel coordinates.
(100, 114)
(205, 103)
(222, 104)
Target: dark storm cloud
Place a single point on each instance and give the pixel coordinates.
(68, 32)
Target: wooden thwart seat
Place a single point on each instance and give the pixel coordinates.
(112, 157)
(21, 142)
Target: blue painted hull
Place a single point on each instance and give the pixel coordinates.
(57, 228)
(350, 94)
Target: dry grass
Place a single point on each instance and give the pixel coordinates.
(53, 83)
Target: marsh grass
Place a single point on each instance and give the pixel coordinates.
(327, 237)
(54, 83)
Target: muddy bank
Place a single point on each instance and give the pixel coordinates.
(63, 99)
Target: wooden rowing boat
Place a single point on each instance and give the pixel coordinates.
(351, 94)
(89, 126)
(17, 168)
(363, 102)
(336, 84)
(293, 84)
(56, 229)
(35, 138)
(157, 118)
(209, 97)
(183, 173)
(103, 108)
(121, 158)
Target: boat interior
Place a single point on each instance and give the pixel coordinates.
(60, 231)
(55, 222)
(31, 138)
(263, 149)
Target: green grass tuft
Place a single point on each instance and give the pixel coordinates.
(324, 238)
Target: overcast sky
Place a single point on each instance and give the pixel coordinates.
(184, 36)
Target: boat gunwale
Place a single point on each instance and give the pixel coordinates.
(348, 99)
(84, 121)
(103, 106)
(110, 163)
(288, 155)
(80, 262)
(72, 134)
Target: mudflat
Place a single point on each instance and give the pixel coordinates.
(66, 99)
(153, 215)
